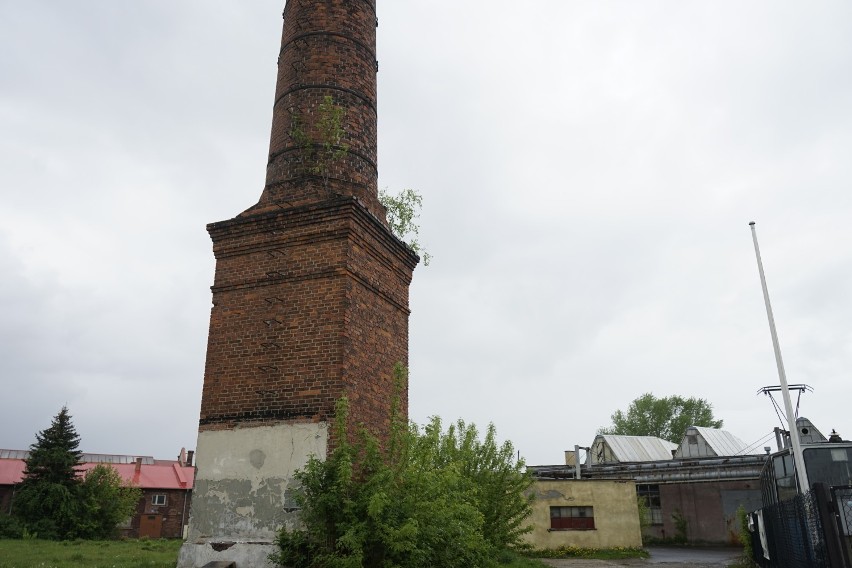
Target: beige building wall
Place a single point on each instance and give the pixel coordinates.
(615, 510)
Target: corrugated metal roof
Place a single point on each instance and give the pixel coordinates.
(116, 459)
(86, 458)
(721, 441)
(638, 448)
(14, 454)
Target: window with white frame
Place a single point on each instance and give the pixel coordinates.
(158, 500)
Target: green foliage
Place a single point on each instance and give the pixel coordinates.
(681, 524)
(75, 553)
(644, 514)
(10, 527)
(47, 501)
(430, 498)
(105, 502)
(666, 417)
(53, 502)
(616, 553)
(326, 147)
(322, 144)
(331, 131)
(512, 559)
(745, 536)
(402, 212)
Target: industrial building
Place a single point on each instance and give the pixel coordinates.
(692, 490)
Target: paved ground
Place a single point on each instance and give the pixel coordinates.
(665, 557)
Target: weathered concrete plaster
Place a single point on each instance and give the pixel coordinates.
(615, 509)
(243, 491)
(245, 555)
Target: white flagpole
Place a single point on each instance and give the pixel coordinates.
(801, 473)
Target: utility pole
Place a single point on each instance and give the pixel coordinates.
(801, 473)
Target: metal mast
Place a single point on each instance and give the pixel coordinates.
(801, 473)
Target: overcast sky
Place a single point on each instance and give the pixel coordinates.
(588, 171)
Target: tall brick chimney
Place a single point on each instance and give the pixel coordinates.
(327, 50)
(310, 295)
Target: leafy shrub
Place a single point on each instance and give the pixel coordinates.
(745, 536)
(10, 527)
(431, 498)
(105, 502)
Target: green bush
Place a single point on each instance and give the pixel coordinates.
(745, 536)
(105, 502)
(10, 527)
(430, 498)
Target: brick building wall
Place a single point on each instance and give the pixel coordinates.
(170, 516)
(309, 303)
(310, 295)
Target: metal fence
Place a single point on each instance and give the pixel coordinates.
(842, 498)
(794, 534)
(809, 531)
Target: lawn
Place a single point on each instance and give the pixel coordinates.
(618, 553)
(163, 554)
(90, 554)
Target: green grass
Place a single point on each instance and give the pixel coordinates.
(89, 554)
(617, 553)
(163, 554)
(510, 559)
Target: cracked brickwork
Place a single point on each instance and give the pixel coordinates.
(310, 296)
(328, 49)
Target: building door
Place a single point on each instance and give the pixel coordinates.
(151, 526)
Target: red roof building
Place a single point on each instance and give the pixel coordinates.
(163, 510)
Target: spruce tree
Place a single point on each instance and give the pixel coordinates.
(48, 499)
